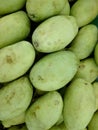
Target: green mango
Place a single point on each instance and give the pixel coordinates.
(20, 119)
(9, 6)
(23, 127)
(85, 41)
(87, 70)
(54, 33)
(39, 10)
(14, 28)
(79, 104)
(44, 112)
(15, 98)
(15, 60)
(93, 124)
(54, 70)
(85, 11)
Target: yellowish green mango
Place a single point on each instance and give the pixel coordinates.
(96, 53)
(85, 41)
(39, 10)
(93, 124)
(60, 120)
(87, 70)
(15, 97)
(9, 6)
(44, 112)
(20, 119)
(23, 127)
(15, 60)
(54, 33)
(84, 11)
(54, 70)
(14, 28)
(95, 87)
(79, 104)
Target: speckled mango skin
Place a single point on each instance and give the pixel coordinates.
(14, 28)
(54, 71)
(54, 33)
(79, 100)
(37, 116)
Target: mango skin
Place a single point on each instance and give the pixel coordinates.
(54, 33)
(84, 11)
(15, 60)
(16, 97)
(54, 71)
(86, 40)
(52, 103)
(14, 28)
(79, 100)
(40, 10)
(9, 6)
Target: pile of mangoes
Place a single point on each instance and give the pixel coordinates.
(48, 65)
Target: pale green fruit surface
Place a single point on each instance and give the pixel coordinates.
(44, 112)
(14, 28)
(20, 119)
(18, 128)
(54, 71)
(93, 125)
(59, 127)
(87, 70)
(96, 53)
(54, 33)
(84, 11)
(85, 41)
(39, 10)
(15, 60)
(9, 6)
(79, 104)
(15, 97)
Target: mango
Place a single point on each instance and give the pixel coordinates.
(85, 41)
(15, 60)
(16, 97)
(54, 70)
(9, 6)
(79, 104)
(54, 33)
(93, 124)
(37, 116)
(40, 10)
(85, 11)
(14, 28)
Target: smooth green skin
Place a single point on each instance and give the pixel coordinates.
(37, 116)
(54, 33)
(20, 119)
(84, 11)
(14, 28)
(93, 124)
(79, 100)
(85, 41)
(16, 97)
(54, 71)
(15, 60)
(87, 70)
(96, 53)
(18, 128)
(39, 10)
(9, 6)
(95, 87)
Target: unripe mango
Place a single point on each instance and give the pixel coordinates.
(14, 28)
(79, 104)
(9, 6)
(54, 33)
(15, 60)
(84, 11)
(54, 71)
(39, 10)
(15, 97)
(37, 117)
